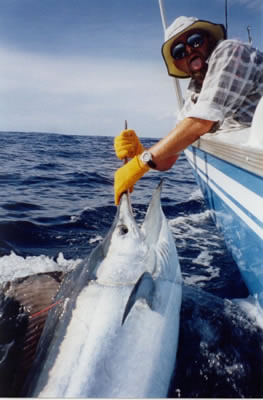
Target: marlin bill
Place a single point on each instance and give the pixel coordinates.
(114, 331)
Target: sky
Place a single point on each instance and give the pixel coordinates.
(85, 66)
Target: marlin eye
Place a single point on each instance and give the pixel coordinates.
(123, 229)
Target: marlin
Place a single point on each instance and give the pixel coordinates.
(114, 330)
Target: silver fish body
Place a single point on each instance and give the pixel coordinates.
(116, 332)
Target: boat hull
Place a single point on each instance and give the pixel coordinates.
(235, 197)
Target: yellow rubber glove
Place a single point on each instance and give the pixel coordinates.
(127, 144)
(126, 176)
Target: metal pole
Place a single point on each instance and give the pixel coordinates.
(226, 18)
(249, 35)
(176, 81)
(163, 15)
(178, 93)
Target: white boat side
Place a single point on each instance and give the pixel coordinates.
(228, 167)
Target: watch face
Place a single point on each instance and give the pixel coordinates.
(146, 156)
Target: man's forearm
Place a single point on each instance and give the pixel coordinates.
(185, 133)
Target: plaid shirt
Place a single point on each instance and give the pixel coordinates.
(232, 87)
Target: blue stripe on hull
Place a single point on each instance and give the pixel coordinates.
(248, 179)
(242, 229)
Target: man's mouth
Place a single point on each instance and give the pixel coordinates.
(196, 63)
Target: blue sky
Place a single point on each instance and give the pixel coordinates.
(84, 66)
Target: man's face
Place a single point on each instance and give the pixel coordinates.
(195, 51)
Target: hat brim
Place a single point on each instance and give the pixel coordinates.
(216, 30)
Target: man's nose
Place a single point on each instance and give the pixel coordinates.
(189, 49)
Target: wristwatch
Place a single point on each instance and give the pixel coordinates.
(147, 158)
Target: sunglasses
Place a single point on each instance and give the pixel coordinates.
(179, 50)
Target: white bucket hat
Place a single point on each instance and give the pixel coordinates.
(180, 26)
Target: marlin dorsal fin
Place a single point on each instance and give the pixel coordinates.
(144, 288)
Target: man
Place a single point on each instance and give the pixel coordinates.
(226, 86)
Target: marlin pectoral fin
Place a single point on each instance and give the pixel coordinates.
(144, 288)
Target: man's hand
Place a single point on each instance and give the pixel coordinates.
(127, 144)
(126, 176)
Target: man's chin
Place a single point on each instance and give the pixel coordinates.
(200, 74)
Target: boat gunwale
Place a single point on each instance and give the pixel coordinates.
(240, 155)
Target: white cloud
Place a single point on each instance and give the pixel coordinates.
(256, 5)
(84, 95)
(252, 4)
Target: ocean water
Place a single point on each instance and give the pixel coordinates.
(56, 205)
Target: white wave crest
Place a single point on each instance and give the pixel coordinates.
(13, 266)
